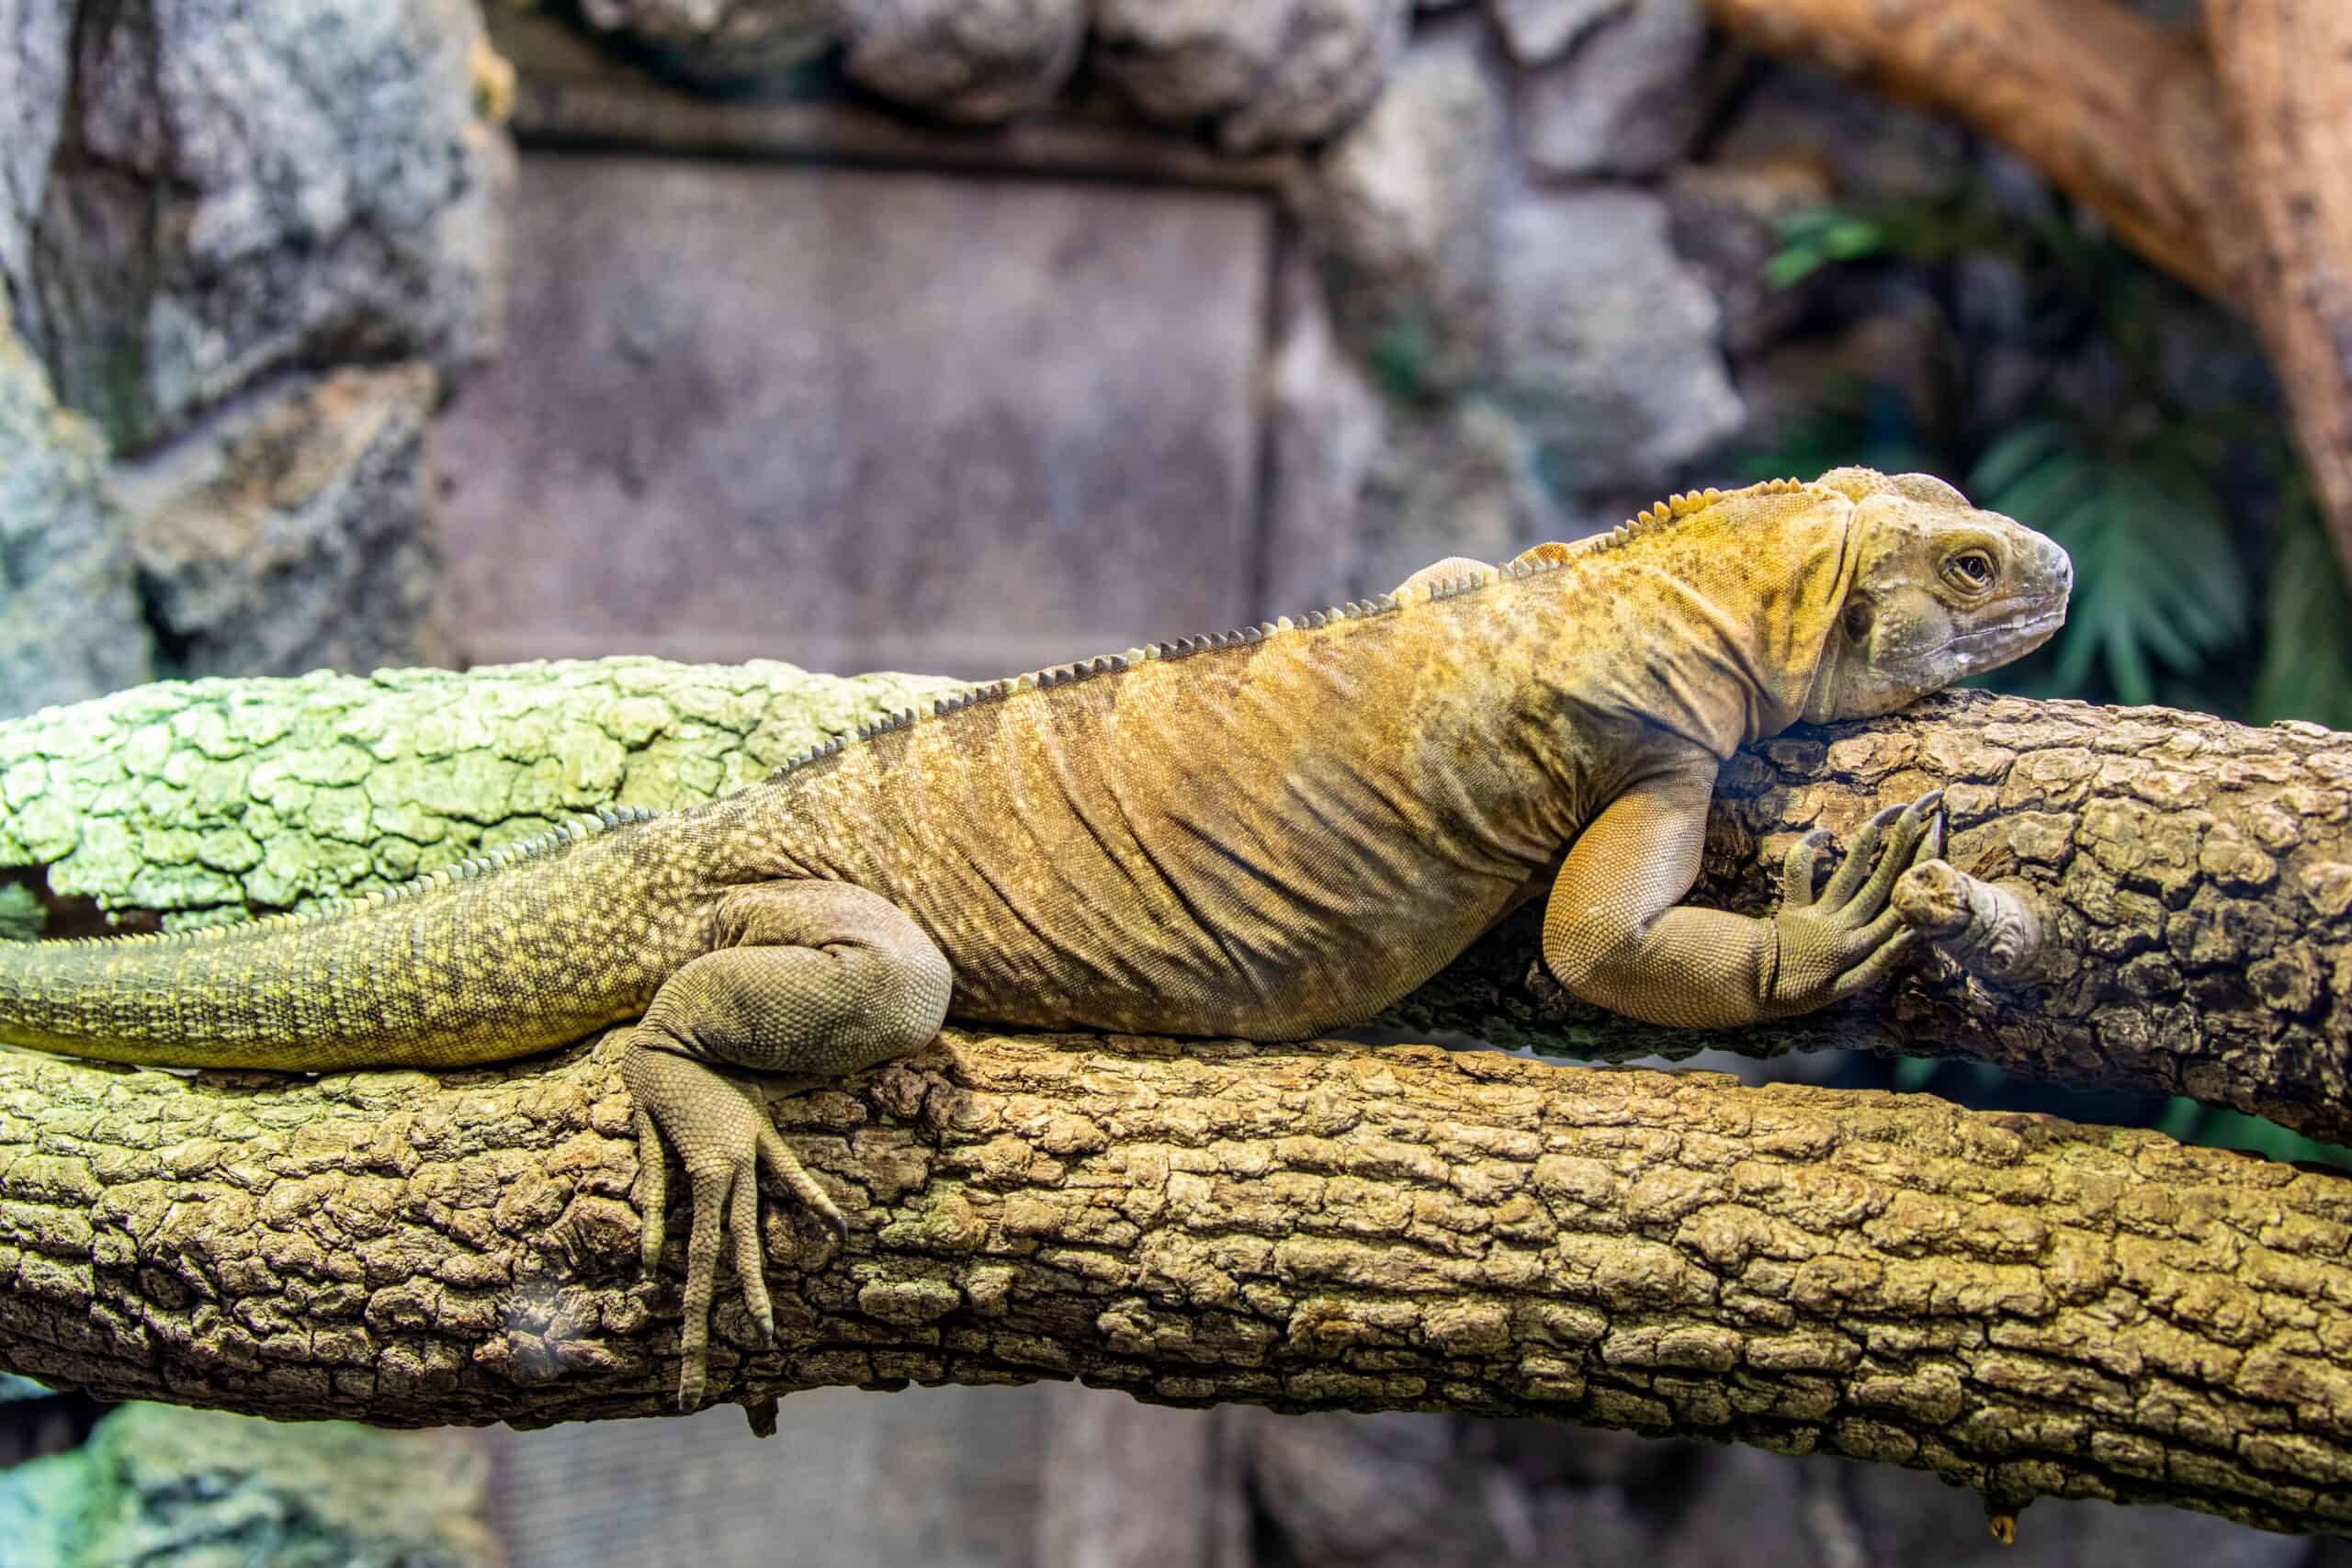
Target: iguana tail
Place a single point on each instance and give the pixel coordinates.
(505, 957)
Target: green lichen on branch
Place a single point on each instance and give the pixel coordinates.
(2020, 1305)
(200, 800)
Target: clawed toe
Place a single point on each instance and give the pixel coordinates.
(727, 1141)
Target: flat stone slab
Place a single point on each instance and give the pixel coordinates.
(860, 419)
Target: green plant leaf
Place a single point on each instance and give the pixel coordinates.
(2158, 581)
(2307, 637)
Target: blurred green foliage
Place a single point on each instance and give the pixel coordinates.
(2204, 577)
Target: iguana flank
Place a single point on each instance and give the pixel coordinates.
(1263, 833)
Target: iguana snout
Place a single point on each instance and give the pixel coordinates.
(1940, 591)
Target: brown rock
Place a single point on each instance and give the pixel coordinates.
(1261, 74)
(295, 538)
(967, 59)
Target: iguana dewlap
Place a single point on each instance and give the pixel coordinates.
(1260, 834)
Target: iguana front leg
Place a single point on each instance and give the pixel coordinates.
(1615, 932)
(819, 979)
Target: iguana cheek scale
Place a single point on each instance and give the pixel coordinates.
(1262, 834)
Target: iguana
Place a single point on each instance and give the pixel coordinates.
(1263, 833)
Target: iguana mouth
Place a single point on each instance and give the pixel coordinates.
(1967, 642)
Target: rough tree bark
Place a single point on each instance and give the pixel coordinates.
(2285, 70)
(2023, 1306)
(2193, 877)
(2020, 1305)
(2216, 157)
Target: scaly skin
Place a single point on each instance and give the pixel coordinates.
(1282, 831)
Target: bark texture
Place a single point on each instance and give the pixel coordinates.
(2193, 877)
(2284, 72)
(2021, 1305)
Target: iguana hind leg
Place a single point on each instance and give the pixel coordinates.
(819, 979)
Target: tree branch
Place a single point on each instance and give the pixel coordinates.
(2118, 112)
(2284, 69)
(2018, 1305)
(2195, 876)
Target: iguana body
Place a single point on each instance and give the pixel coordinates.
(1280, 831)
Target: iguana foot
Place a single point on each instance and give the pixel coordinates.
(1847, 940)
(724, 1140)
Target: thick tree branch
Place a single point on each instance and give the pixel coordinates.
(2116, 111)
(2285, 74)
(2197, 874)
(2021, 1305)
(2193, 877)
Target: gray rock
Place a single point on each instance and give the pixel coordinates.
(1608, 341)
(34, 35)
(1727, 226)
(1453, 479)
(723, 42)
(1628, 101)
(1259, 74)
(1908, 1516)
(1326, 426)
(1538, 30)
(156, 1483)
(1873, 152)
(968, 59)
(70, 624)
(238, 188)
(294, 536)
(1364, 1490)
(1401, 211)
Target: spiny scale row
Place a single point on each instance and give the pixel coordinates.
(1676, 507)
(555, 838)
(1180, 647)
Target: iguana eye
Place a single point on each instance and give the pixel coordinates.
(1971, 571)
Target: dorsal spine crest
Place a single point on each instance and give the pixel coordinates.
(575, 830)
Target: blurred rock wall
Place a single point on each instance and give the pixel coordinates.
(245, 250)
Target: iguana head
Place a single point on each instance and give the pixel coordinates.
(1940, 591)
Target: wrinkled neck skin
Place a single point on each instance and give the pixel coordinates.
(1712, 627)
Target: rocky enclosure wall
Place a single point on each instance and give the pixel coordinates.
(1511, 286)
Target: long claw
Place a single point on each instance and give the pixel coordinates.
(1798, 867)
(1938, 835)
(785, 1167)
(1876, 967)
(710, 1186)
(744, 1221)
(653, 1191)
(1857, 864)
(1910, 830)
